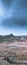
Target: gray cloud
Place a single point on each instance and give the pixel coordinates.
(15, 22)
(6, 2)
(19, 13)
(20, 3)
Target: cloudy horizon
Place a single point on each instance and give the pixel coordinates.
(13, 17)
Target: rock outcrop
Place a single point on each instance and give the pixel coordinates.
(10, 58)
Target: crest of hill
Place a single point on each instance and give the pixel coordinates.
(12, 38)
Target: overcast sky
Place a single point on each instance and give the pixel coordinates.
(13, 17)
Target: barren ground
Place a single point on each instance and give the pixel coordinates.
(18, 48)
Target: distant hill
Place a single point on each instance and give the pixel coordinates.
(12, 38)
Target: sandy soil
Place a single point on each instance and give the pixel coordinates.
(18, 48)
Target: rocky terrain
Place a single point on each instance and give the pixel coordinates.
(13, 50)
(12, 38)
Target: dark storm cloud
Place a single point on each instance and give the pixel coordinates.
(19, 13)
(20, 3)
(15, 22)
(7, 3)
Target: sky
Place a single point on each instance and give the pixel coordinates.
(13, 17)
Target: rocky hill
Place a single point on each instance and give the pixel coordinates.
(12, 38)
